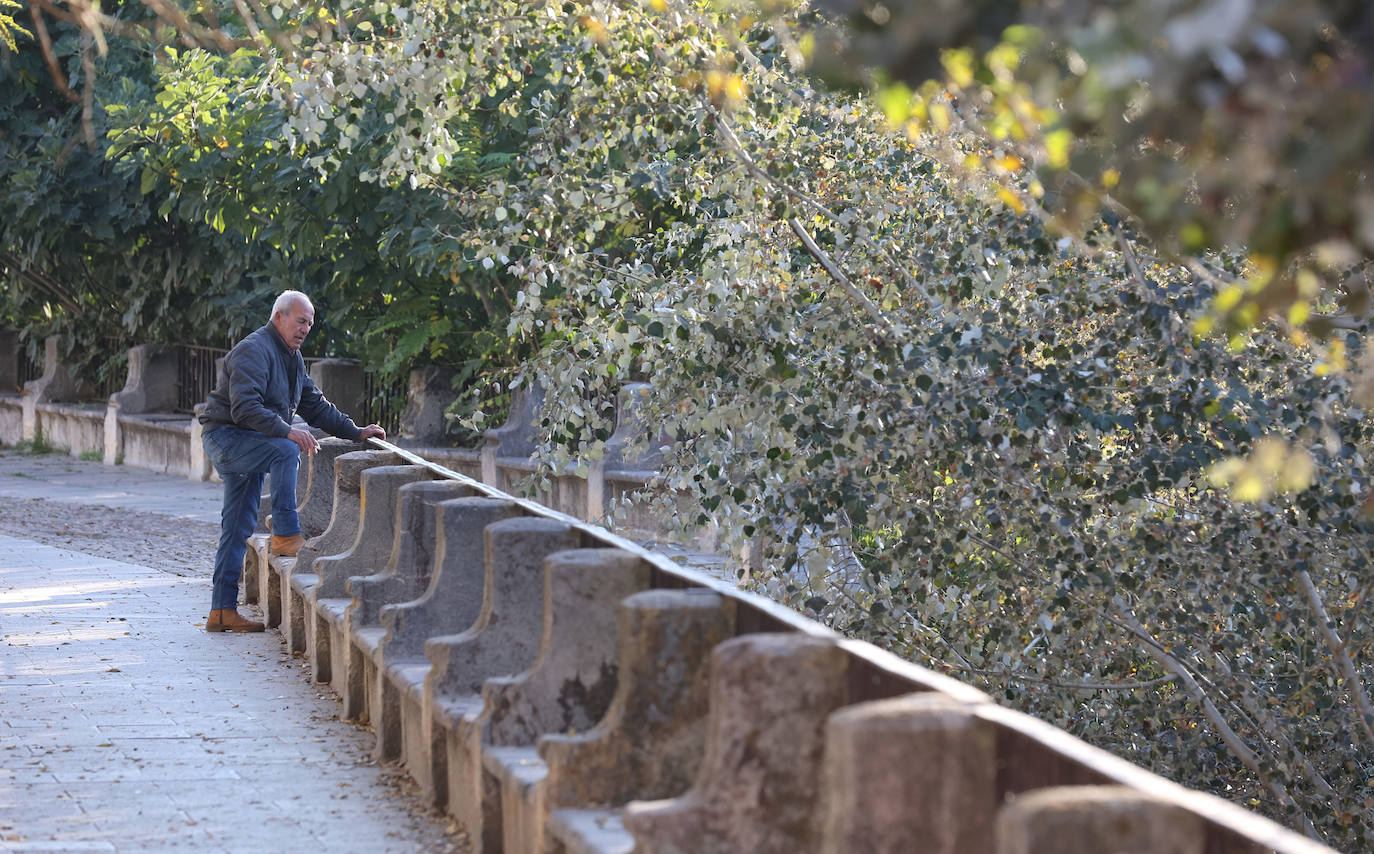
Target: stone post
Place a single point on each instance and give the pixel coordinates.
(1094, 819)
(916, 767)
(429, 394)
(341, 380)
(515, 438)
(58, 383)
(629, 433)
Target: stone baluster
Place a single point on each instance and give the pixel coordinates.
(1094, 820)
(516, 438)
(317, 507)
(651, 740)
(921, 766)
(345, 507)
(451, 604)
(503, 641)
(567, 689)
(758, 789)
(342, 381)
(405, 577)
(329, 600)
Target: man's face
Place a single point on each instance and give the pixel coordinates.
(294, 323)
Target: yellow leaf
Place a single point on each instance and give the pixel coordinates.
(1057, 145)
(1298, 312)
(1011, 200)
(959, 64)
(1229, 298)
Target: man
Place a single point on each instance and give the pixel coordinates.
(249, 433)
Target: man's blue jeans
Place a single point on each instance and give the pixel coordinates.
(242, 458)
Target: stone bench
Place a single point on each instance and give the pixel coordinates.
(328, 600)
(405, 578)
(650, 741)
(568, 688)
(345, 510)
(452, 602)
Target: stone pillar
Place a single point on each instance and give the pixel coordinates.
(341, 380)
(915, 767)
(515, 438)
(429, 394)
(57, 384)
(758, 787)
(1094, 819)
(629, 433)
(152, 381)
(114, 448)
(9, 361)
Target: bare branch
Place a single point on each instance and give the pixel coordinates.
(1228, 735)
(733, 143)
(40, 28)
(1341, 653)
(837, 274)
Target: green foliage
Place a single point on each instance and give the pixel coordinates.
(1218, 125)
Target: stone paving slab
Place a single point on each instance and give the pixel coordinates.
(125, 727)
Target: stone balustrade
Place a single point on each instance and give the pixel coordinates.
(559, 689)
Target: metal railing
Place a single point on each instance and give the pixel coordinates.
(196, 374)
(383, 402)
(27, 368)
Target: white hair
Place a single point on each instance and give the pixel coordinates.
(288, 299)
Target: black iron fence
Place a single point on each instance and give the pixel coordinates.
(27, 368)
(196, 373)
(383, 403)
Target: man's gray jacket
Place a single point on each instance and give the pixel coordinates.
(264, 385)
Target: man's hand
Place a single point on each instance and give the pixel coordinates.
(305, 440)
(370, 431)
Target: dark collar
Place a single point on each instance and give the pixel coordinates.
(276, 336)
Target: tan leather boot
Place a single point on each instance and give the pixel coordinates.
(228, 620)
(285, 546)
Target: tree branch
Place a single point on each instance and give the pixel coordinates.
(40, 28)
(732, 142)
(1341, 654)
(1232, 739)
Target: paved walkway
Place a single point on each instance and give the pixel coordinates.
(125, 727)
(58, 477)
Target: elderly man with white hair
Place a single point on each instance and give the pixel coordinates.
(249, 433)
